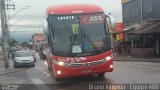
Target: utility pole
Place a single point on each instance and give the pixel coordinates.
(9, 4)
(4, 33)
(141, 10)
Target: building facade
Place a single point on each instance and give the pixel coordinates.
(144, 17)
(135, 11)
(37, 40)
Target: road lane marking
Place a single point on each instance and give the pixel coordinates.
(45, 63)
(47, 74)
(40, 84)
(37, 81)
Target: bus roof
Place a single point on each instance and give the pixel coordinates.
(73, 9)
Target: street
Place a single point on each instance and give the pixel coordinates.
(80, 37)
(40, 78)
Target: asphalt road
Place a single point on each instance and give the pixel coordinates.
(40, 78)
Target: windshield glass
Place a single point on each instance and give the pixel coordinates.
(95, 33)
(23, 54)
(79, 35)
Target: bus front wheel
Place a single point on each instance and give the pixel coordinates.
(58, 79)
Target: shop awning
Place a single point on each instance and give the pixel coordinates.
(152, 26)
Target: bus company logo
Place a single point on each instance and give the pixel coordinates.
(72, 60)
(92, 19)
(82, 58)
(95, 18)
(76, 59)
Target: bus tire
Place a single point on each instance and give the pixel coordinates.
(101, 74)
(15, 66)
(33, 65)
(58, 79)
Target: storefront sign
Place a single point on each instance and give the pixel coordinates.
(119, 27)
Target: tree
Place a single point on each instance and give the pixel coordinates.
(13, 42)
(26, 44)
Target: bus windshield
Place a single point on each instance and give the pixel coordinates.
(79, 35)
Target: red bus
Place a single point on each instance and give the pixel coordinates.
(78, 41)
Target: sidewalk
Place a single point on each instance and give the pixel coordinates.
(11, 68)
(138, 59)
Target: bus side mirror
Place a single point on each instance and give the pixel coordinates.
(111, 22)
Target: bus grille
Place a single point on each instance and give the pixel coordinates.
(86, 64)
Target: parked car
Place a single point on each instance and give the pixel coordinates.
(23, 58)
(13, 50)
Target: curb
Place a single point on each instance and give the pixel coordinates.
(133, 60)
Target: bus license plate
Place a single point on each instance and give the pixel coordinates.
(86, 71)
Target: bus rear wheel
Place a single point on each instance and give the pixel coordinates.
(101, 74)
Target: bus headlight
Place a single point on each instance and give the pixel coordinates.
(111, 66)
(61, 63)
(58, 72)
(108, 58)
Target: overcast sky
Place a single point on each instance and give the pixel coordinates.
(34, 14)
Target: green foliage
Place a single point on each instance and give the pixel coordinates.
(26, 44)
(13, 42)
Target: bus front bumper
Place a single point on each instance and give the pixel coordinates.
(64, 72)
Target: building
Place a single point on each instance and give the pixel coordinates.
(144, 17)
(137, 11)
(37, 40)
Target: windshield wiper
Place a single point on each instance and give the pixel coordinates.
(90, 41)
